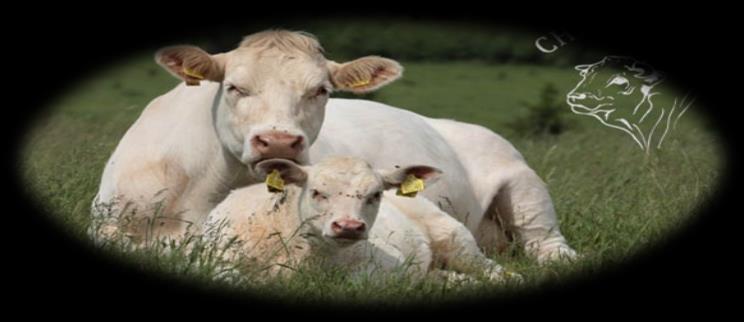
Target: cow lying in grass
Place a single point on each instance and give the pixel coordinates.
(269, 98)
(339, 210)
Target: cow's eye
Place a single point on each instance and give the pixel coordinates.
(236, 90)
(317, 195)
(321, 91)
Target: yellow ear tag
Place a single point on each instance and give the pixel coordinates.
(359, 83)
(274, 182)
(193, 74)
(410, 186)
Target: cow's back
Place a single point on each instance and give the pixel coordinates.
(488, 158)
(389, 137)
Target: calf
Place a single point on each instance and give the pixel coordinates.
(339, 210)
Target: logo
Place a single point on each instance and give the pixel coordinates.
(620, 92)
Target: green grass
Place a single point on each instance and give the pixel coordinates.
(611, 198)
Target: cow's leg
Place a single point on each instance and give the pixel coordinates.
(492, 237)
(103, 226)
(523, 206)
(457, 250)
(453, 246)
(145, 206)
(504, 184)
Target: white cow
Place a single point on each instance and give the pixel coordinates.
(335, 211)
(268, 99)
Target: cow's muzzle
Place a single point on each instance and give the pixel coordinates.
(276, 144)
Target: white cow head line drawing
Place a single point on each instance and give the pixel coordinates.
(619, 92)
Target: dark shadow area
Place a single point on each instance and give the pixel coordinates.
(688, 269)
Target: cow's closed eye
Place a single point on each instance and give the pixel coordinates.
(318, 92)
(232, 89)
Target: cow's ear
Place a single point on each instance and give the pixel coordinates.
(289, 172)
(395, 178)
(365, 74)
(192, 64)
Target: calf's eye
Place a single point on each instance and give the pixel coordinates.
(317, 195)
(375, 197)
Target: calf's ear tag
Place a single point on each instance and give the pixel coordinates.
(410, 186)
(192, 74)
(274, 182)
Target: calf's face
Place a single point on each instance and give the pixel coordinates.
(273, 93)
(341, 196)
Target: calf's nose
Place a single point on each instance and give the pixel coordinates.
(278, 145)
(348, 228)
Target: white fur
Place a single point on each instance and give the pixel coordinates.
(479, 166)
(273, 228)
(190, 147)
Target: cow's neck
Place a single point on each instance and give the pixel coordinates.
(225, 165)
(220, 117)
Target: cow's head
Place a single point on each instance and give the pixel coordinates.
(341, 196)
(274, 88)
(614, 90)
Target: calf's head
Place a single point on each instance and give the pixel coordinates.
(341, 196)
(274, 88)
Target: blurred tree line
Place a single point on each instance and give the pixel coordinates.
(546, 117)
(414, 40)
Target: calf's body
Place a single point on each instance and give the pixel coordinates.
(407, 234)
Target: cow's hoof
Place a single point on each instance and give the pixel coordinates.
(562, 253)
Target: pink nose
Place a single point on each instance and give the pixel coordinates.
(348, 228)
(277, 145)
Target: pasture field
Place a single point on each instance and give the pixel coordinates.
(612, 199)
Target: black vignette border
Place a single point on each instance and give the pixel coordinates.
(695, 45)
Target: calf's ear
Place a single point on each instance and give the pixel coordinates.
(396, 177)
(365, 74)
(192, 64)
(289, 171)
